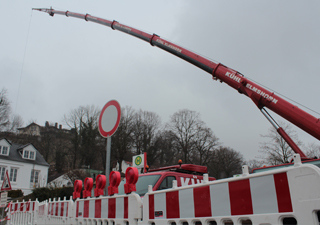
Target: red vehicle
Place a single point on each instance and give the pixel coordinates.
(161, 178)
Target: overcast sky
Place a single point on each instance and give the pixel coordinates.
(53, 65)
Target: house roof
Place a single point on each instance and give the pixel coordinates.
(31, 124)
(14, 155)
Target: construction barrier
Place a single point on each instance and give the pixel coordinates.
(22, 212)
(282, 196)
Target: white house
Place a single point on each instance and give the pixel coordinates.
(61, 181)
(26, 167)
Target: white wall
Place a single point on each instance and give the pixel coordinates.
(124, 167)
(24, 174)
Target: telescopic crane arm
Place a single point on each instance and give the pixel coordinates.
(259, 95)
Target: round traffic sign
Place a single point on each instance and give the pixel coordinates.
(109, 118)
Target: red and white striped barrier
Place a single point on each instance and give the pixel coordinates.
(58, 208)
(114, 208)
(275, 195)
(56, 212)
(23, 206)
(258, 195)
(22, 212)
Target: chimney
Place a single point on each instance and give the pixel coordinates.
(47, 124)
(56, 125)
(60, 126)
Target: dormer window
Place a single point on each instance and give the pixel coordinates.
(28, 154)
(31, 156)
(4, 150)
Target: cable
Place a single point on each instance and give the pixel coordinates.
(284, 96)
(24, 56)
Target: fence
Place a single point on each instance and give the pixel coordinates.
(283, 196)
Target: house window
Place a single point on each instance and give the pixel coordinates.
(31, 156)
(34, 176)
(13, 174)
(2, 172)
(3, 150)
(28, 154)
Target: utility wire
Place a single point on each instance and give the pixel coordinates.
(22, 66)
(285, 97)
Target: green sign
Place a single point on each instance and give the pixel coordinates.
(138, 160)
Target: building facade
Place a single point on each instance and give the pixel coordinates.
(26, 167)
(34, 129)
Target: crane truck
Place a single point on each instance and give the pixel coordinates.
(282, 195)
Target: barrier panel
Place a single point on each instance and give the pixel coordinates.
(274, 197)
(22, 212)
(42, 212)
(59, 212)
(120, 209)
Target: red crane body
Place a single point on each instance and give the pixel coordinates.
(259, 95)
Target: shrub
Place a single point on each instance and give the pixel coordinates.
(15, 193)
(45, 193)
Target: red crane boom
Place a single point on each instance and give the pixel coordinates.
(259, 95)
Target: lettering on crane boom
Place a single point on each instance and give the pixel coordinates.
(122, 26)
(234, 77)
(263, 94)
(169, 45)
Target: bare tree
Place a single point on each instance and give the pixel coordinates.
(122, 141)
(145, 127)
(8, 122)
(165, 153)
(253, 164)
(83, 123)
(313, 151)
(204, 145)
(78, 174)
(16, 122)
(5, 110)
(185, 125)
(276, 150)
(225, 162)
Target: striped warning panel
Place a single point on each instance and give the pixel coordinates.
(58, 209)
(42, 210)
(258, 195)
(22, 206)
(113, 208)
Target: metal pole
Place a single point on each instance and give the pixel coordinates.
(2, 214)
(108, 149)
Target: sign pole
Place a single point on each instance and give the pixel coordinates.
(2, 213)
(108, 149)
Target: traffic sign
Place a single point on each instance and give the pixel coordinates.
(6, 186)
(109, 118)
(3, 199)
(138, 161)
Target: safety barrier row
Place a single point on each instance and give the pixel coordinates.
(282, 196)
(105, 209)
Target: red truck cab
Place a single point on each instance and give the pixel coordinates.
(161, 178)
